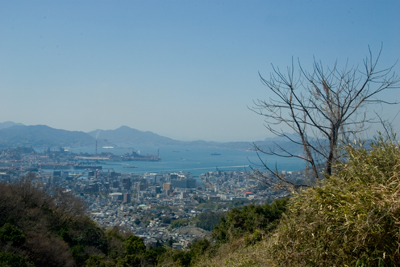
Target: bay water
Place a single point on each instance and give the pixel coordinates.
(192, 159)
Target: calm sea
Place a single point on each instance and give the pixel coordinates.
(196, 160)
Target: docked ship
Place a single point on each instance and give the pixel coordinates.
(135, 156)
(55, 166)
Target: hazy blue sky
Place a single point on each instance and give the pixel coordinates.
(183, 69)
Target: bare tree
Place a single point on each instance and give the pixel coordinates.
(322, 107)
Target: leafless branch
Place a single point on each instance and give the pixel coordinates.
(321, 107)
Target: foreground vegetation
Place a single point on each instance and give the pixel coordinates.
(249, 222)
(49, 228)
(350, 219)
(353, 219)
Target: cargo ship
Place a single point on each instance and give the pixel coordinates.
(135, 156)
(55, 166)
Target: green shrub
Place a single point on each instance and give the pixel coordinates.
(207, 220)
(134, 245)
(11, 233)
(353, 219)
(13, 260)
(198, 248)
(239, 222)
(251, 239)
(95, 261)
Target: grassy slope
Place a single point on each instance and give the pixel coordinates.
(236, 253)
(350, 220)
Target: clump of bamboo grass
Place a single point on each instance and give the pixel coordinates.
(352, 219)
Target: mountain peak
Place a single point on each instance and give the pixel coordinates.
(8, 124)
(40, 135)
(125, 135)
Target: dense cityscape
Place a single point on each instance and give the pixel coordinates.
(150, 205)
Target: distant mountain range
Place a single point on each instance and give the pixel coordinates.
(42, 135)
(8, 124)
(125, 135)
(16, 135)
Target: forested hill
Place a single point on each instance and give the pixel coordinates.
(50, 228)
(128, 136)
(125, 135)
(8, 124)
(18, 135)
(42, 135)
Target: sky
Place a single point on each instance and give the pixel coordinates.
(187, 70)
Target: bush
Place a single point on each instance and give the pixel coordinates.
(13, 260)
(47, 227)
(251, 239)
(239, 222)
(12, 234)
(353, 219)
(250, 221)
(207, 220)
(134, 245)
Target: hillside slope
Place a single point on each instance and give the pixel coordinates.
(48, 227)
(351, 219)
(125, 135)
(42, 135)
(8, 124)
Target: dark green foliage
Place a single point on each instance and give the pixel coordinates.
(12, 234)
(248, 219)
(134, 245)
(207, 220)
(133, 260)
(199, 247)
(151, 255)
(79, 254)
(93, 236)
(144, 257)
(181, 258)
(95, 261)
(13, 260)
(65, 235)
(41, 228)
(116, 243)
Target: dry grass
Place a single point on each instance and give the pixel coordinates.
(352, 219)
(237, 254)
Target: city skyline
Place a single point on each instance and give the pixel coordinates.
(187, 70)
